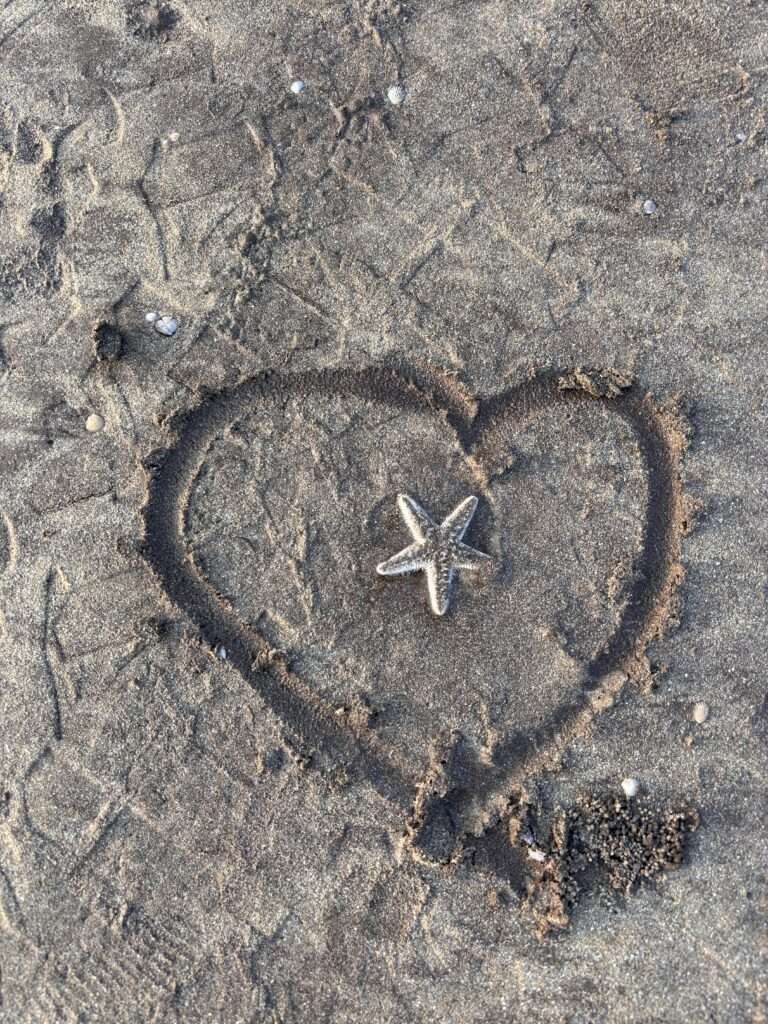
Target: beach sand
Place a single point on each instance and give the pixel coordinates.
(506, 250)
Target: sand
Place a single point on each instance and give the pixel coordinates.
(513, 251)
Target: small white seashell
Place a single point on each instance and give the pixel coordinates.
(700, 712)
(94, 423)
(173, 136)
(167, 325)
(220, 651)
(151, 317)
(741, 137)
(297, 87)
(649, 207)
(538, 855)
(631, 787)
(396, 95)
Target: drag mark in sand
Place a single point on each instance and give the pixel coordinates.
(8, 547)
(52, 653)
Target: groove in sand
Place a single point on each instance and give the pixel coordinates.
(480, 430)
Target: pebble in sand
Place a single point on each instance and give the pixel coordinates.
(631, 787)
(94, 423)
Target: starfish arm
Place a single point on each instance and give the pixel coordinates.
(410, 559)
(458, 521)
(416, 518)
(470, 558)
(439, 587)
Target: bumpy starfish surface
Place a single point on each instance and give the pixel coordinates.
(437, 549)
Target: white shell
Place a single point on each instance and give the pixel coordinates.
(220, 651)
(298, 86)
(94, 423)
(396, 94)
(167, 325)
(631, 787)
(538, 855)
(649, 207)
(700, 712)
(152, 317)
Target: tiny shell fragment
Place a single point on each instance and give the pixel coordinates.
(700, 712)
(396, 95)
(630, 787)
(167, 325)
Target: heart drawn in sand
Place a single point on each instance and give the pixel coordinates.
(434, 436)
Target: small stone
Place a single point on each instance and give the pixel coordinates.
(152, 317)
(94, 423)
(221, 652)
(741, 137)
(631, 787)
(298, 87)
(167, 325)
(537, 855)
(700, 712)
(649, 207)
(396, 95)
(173, 137)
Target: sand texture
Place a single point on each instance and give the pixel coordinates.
(264, 267)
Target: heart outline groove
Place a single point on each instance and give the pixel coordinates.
(340, 744)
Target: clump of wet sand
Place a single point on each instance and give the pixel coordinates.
(608, 841)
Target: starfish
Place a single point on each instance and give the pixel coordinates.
(437, 549)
